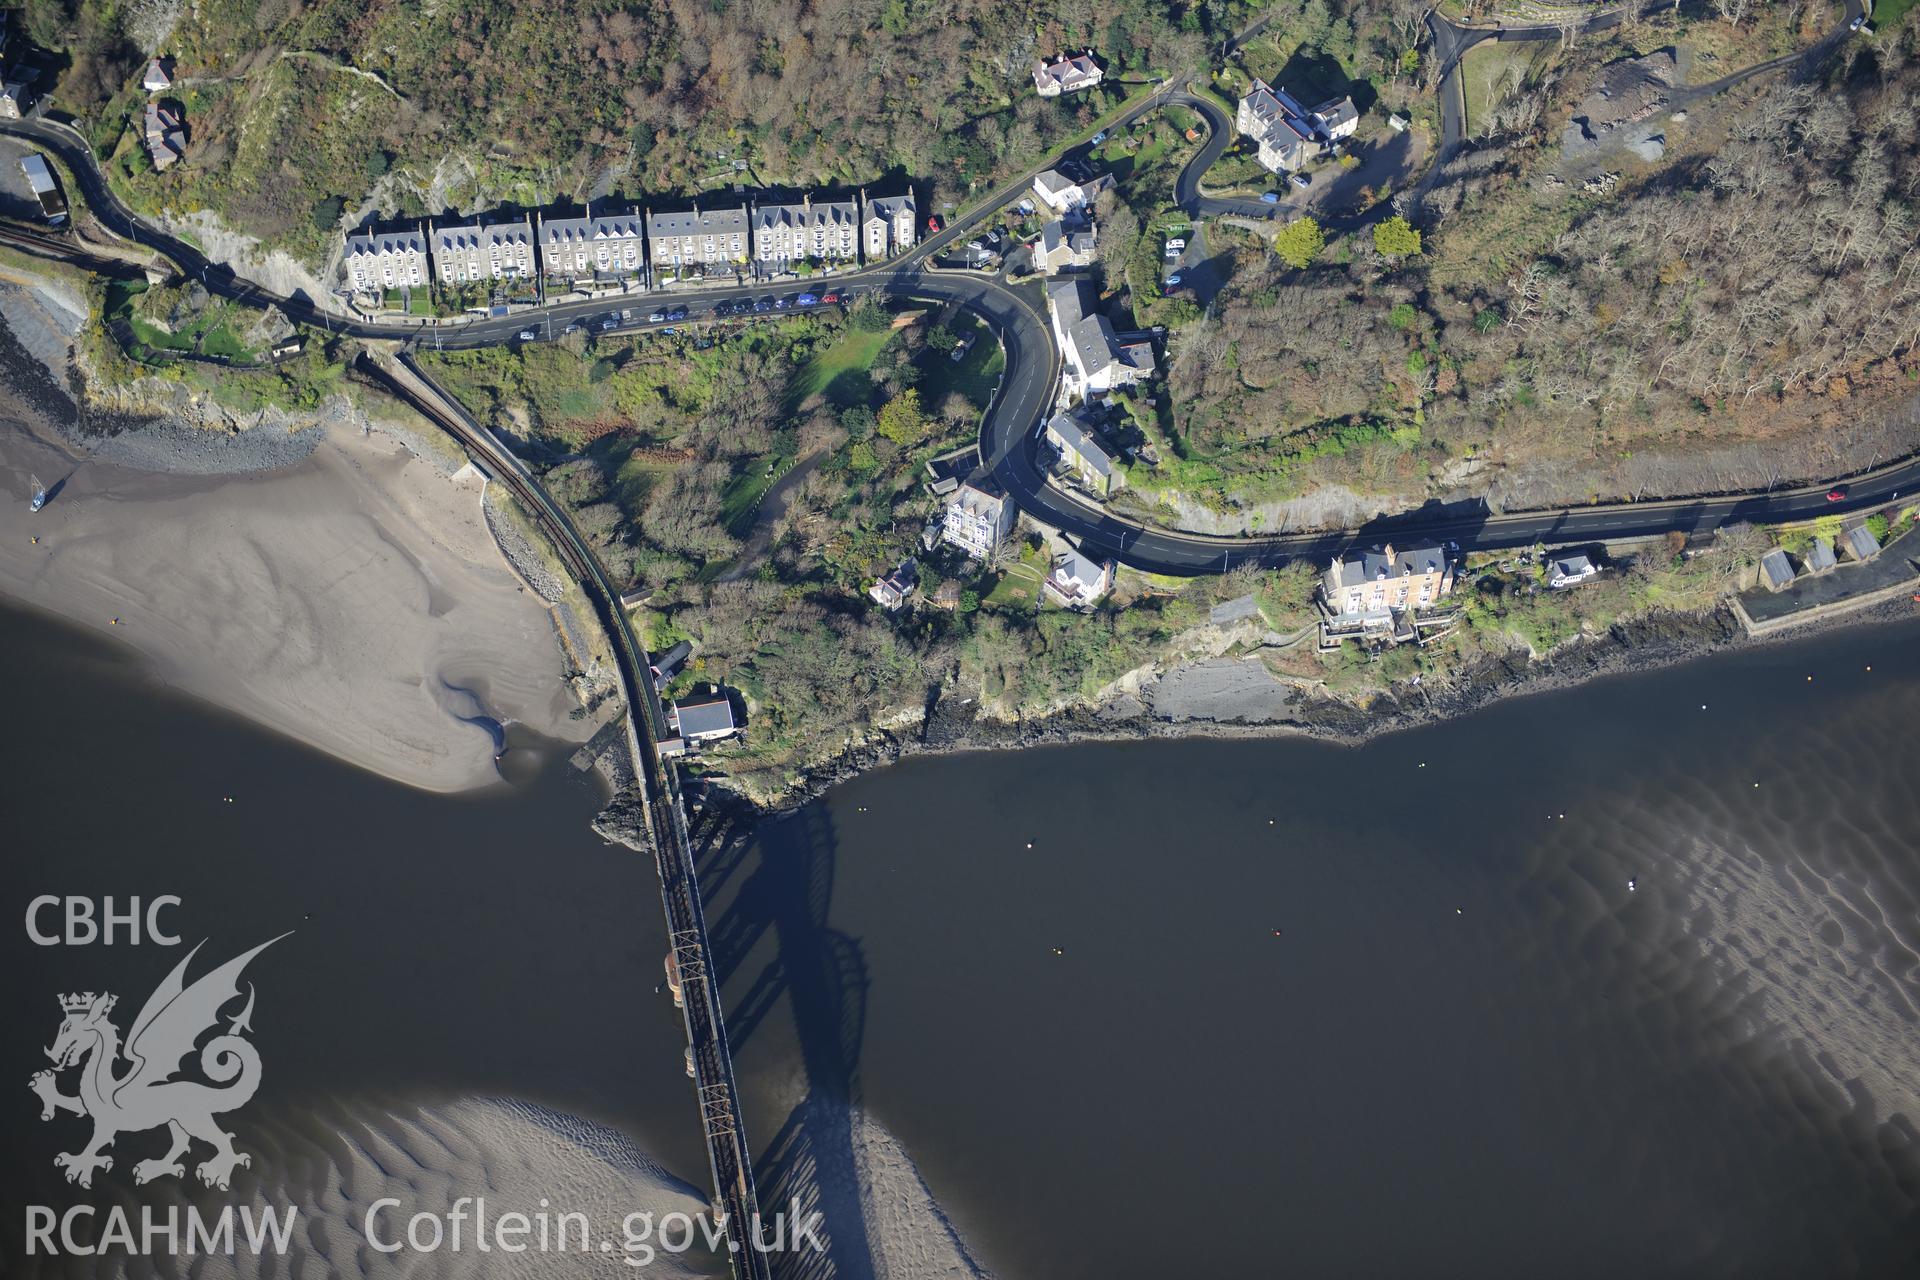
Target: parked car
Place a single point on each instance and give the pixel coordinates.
(829, 297)
(807, 300)
(572, 328)
(961, 348)
(763, 304)
(1173, 280)
(1837, 494)
(611, 322)
(1174, 248)
(1269, 197)
(1301, 181)
(1857, 23)
(677, 313)
(655, 317)
(669, 330)
(528, 335)
(933, 222)
(779, 304)
(1098, 138)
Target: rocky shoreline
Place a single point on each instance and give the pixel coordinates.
(1641, 644)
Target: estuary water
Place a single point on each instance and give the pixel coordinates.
(1618, 980)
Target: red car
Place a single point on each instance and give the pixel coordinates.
(829, 297)
(933, 222)
(1837, 493)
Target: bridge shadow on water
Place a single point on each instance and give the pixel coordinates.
(771, 946)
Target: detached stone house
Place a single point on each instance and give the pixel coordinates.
(978, 516)
(1776, 571)
(698, 238)
(1082, 454)
(15, 95)
(387, 260)
(1288, 134)
(1860, 543)
(483, 251)
(603, 247)
(1371, 584)
(1066, 74)
(888, 226)
(163, 135)
(785, 234)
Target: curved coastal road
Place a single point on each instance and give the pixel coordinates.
(1008, 444)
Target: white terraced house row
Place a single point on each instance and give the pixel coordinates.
(790, 233)
(388, 260)
(889, 225)
(481, 251)
(593, 247)
(698, 238)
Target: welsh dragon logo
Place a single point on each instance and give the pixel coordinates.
(146, 1095)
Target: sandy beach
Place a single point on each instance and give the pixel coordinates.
(350, 600)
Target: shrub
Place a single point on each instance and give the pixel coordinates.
(1396, 238)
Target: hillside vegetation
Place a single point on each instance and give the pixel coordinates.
(299, 110)
(1746, 313)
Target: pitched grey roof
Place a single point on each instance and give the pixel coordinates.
(1361, 564)
(1862, 543)
(697, 718)
(1082, 569)
(1075, 437)
(1775, 568)
(410, 241)
(1053, 182)
(1336, 112)
(1820, 555)
(698, 222)
(890, 207)
(1431, 558)
(560, 232)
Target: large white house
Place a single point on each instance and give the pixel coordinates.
(386, 260)
(596, 247)
(1078, 581)
(1095, 358)
(1069, 73)
(888, 225)
(1063, 194)
(979, 514)
(1288, 135)
(481, 251)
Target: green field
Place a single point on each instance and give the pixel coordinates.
(1888, 13)
(973, 376)
(840, 372)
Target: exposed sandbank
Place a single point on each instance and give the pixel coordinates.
(341, 600)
